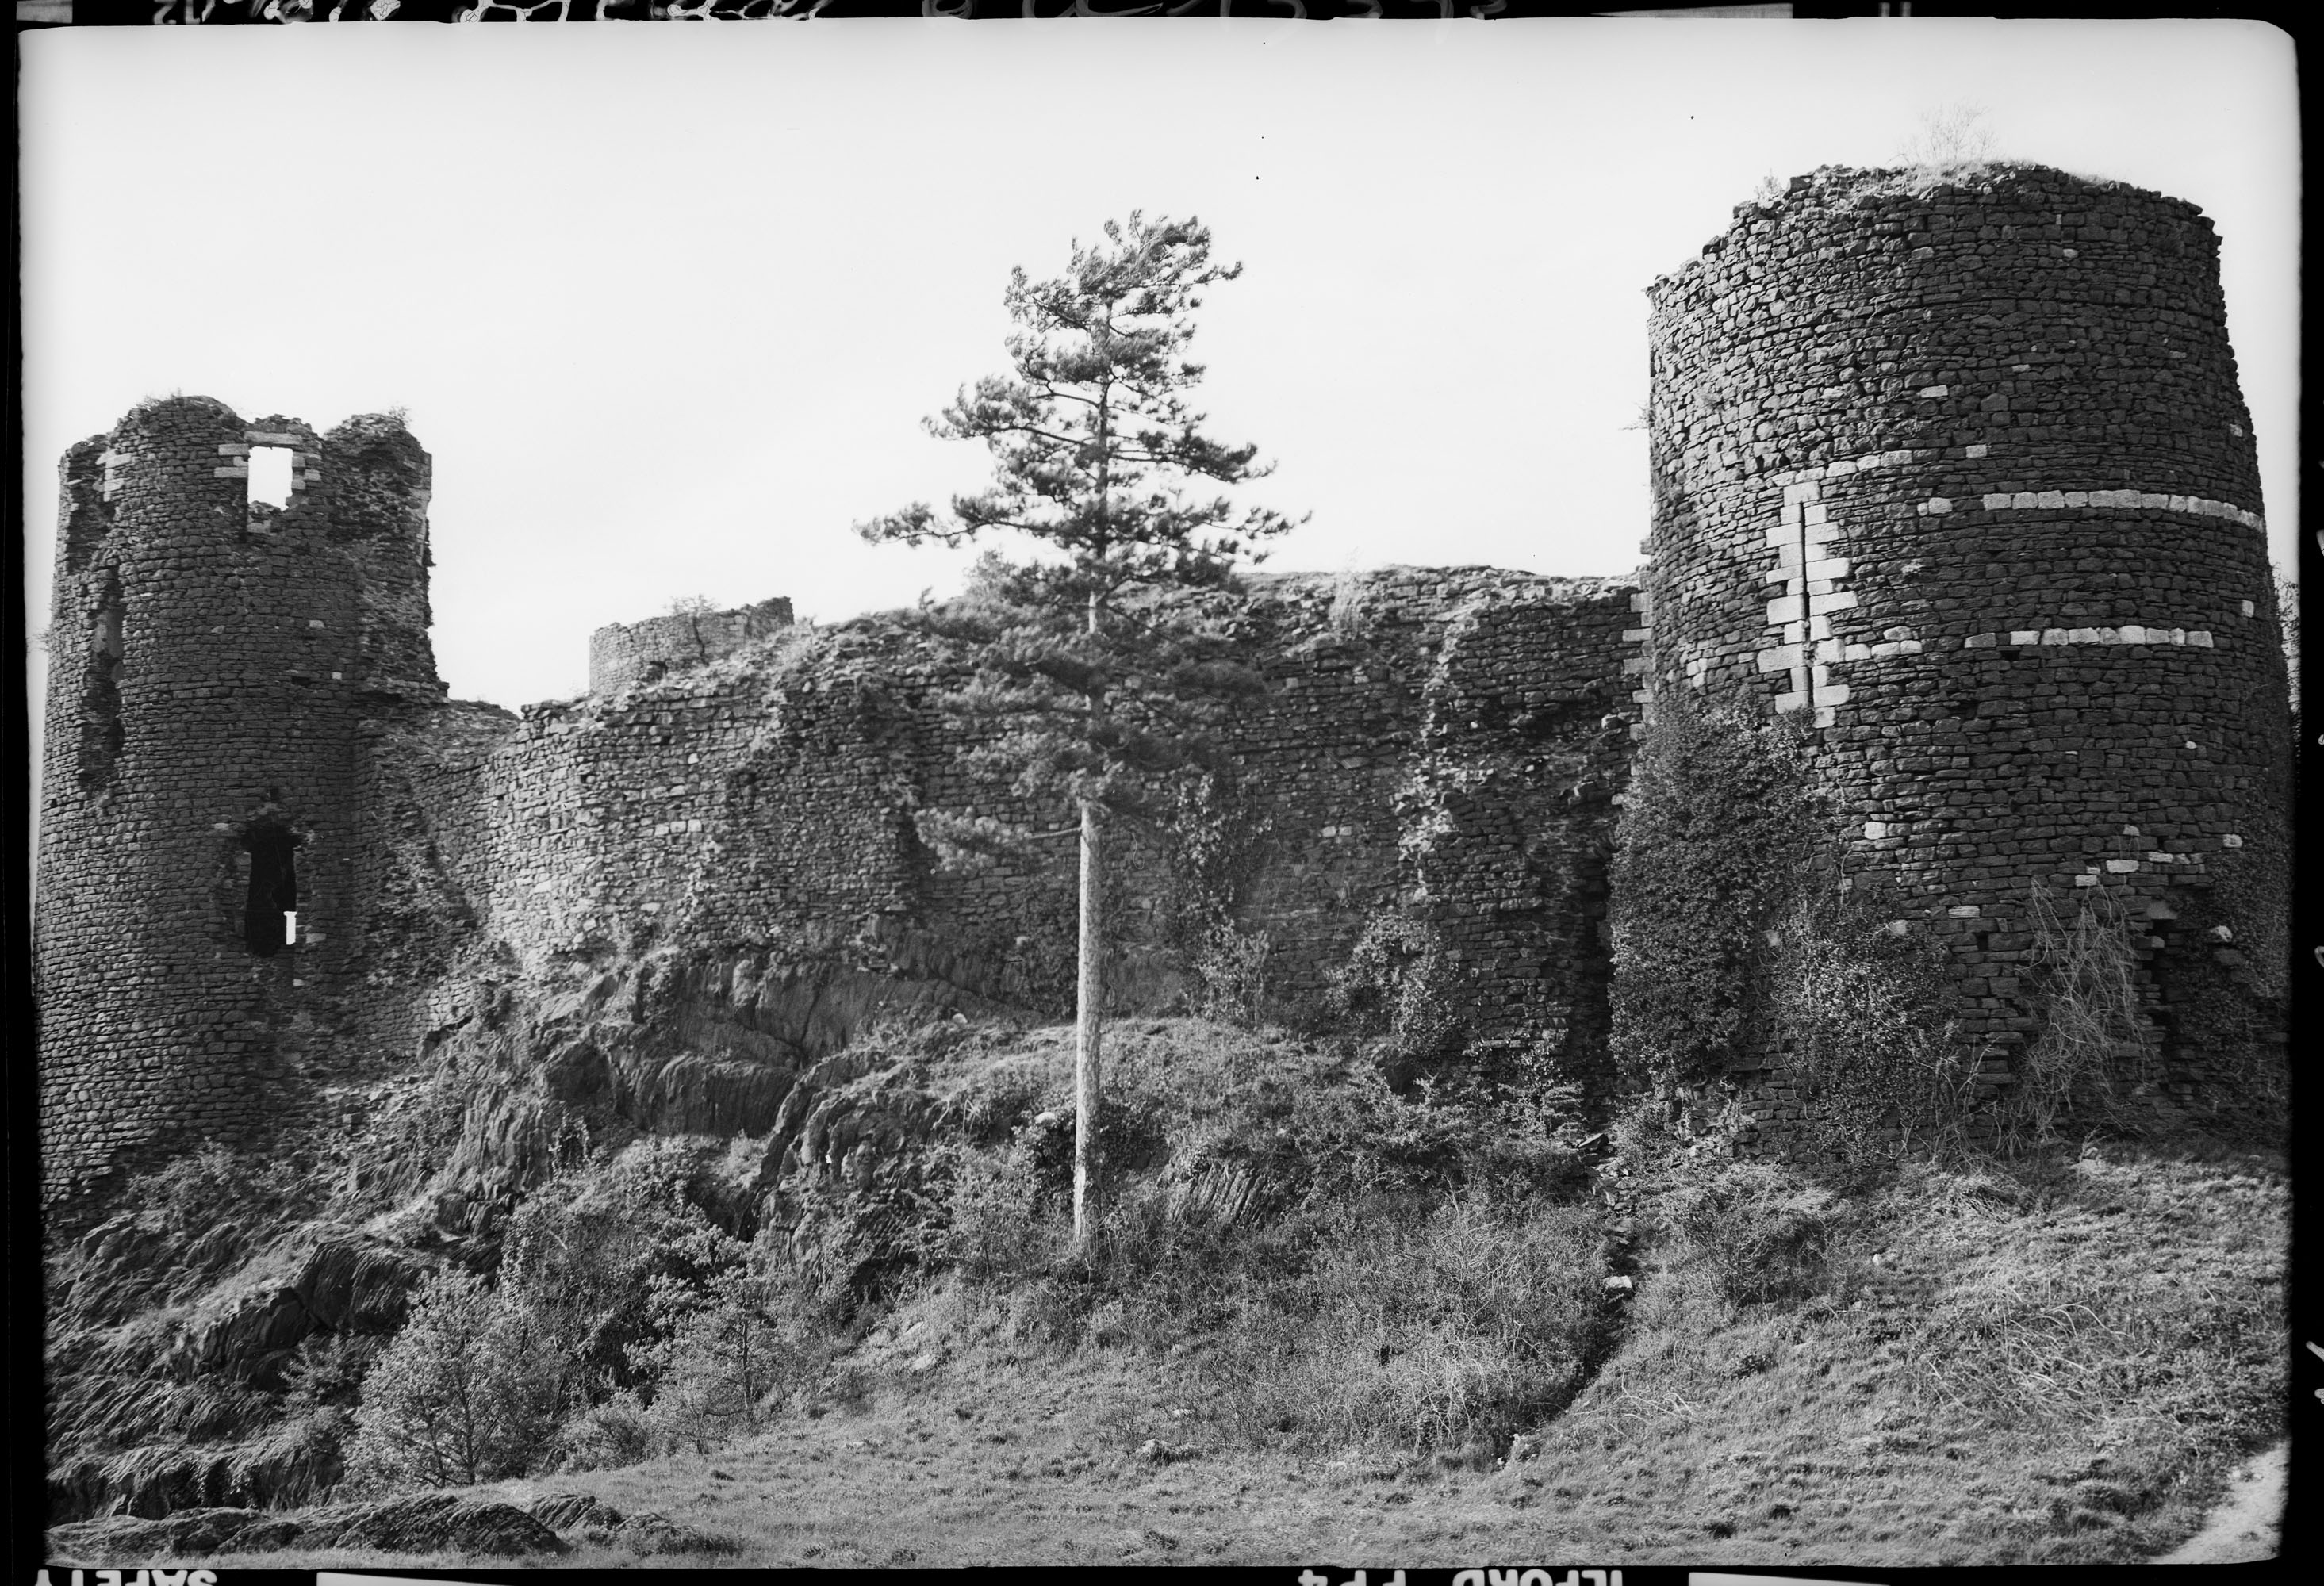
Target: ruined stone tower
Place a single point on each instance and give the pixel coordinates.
(1955, 467)
(624, 654)
(214, 659)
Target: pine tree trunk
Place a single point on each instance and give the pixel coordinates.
(1088, 1088)
(1088, 1072)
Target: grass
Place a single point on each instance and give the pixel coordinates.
(2055, 1361)
(2055, 1358)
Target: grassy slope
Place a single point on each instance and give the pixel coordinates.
(2052, 1361)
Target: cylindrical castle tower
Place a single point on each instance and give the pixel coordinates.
(1954, 464)
(211, 658)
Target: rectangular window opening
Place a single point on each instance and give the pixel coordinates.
(270, 474)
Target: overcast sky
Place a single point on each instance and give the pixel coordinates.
(666, 304)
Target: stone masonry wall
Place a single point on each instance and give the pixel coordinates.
(1528, 749)
(626, 653)
(1958, 467)
(1440, 742)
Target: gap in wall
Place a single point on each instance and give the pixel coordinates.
(100, 716)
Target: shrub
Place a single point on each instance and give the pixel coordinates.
(1130, 1132)
(991, 1228)
(298, 1460)
(1401, 981)
(1463, 1129)
(1863, 1020)
(581, 1253)
(1232, 965)
(726, 1365)
(327, 1370)
(1355, 1265)
(465, 1392)
(615, 1431)
(847, 1387)
(746, 1332)
(1763, 1237)
(192, 1192)
(2091, 1048)
(999, 1099)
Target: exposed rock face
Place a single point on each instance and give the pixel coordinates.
(188, 1533)
(647, 1534)
(427, 1522)
(571, 1511)
(347, 1281)
(651, 1535)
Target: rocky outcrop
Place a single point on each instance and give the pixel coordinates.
(345, 1281)
(428, 1522)
(651, 1535)
(574, 1511)
(295, 1461)
(646, 1535)
(120, 1539)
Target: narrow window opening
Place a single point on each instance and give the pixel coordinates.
(270, 477)
(270, 919)
(100, 714)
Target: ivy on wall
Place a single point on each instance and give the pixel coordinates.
(1715, 832)
(1736, 945)
(1864, 1021)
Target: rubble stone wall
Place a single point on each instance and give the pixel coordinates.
(625, 653)
(764, 803)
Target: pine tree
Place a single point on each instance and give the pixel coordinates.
(1093, 680)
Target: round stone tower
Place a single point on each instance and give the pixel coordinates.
(1953, 464)
(212, 657)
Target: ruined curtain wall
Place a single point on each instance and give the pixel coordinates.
(627, 653)
(1433, 743)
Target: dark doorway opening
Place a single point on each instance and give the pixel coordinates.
(266, 918)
